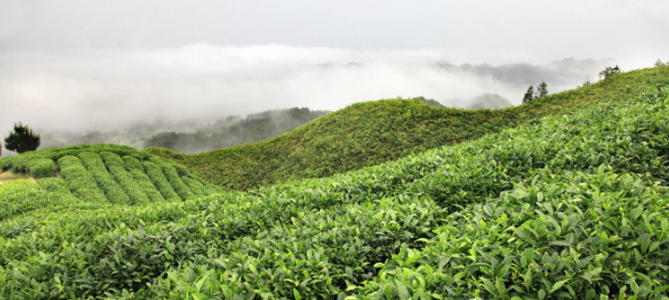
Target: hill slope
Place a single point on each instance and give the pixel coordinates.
(573, 206)
(370, 133)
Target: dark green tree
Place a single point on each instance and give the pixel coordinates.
(609, 71)
(542, 90)
(22, 139)
(529, 95)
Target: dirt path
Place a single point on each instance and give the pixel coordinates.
(9, 176)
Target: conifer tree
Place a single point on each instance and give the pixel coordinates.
(22, 139)
(529, 95)
(542, 90)
(609, 71)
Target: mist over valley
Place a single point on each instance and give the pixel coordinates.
(109, 96)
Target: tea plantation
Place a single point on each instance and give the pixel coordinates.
(95, 174)
(572, 206)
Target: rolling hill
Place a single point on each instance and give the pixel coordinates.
(571, 206)
(369, 133)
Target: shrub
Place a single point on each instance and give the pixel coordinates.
(6, 163)
(155, 172)
(173, 178)
(558, 237)
(19, 196)
(105, 181)
(115, 165)
(55, 184)
(42, 168)
(135, 168)
(80, 182)
(609, 71)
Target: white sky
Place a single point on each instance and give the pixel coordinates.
(96, 64)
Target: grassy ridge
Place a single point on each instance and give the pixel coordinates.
(108, 174)
(362, 234)
(370, 133)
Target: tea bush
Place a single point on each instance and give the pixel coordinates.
(571, 236)
(42, 168)
(117, 171)
(80, 182)
(173, 178)
(155, 172)
(116, 167)
(105, 181)
(136, 169)
(14, 198)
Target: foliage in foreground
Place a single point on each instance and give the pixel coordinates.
(370, 133)
(569, 207)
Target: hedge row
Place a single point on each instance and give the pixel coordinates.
(173, 178)
(134, 166)
(79, 180)
(117, 170)
(55, 185)
(155, 172)
(42, 168)
(21, 163)
(132, 188)
(106, 181)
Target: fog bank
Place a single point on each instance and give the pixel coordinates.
(111, 89)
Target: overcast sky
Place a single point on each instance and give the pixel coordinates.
(100, 64)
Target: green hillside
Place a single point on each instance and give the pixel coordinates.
(370, 133)
(97, 174)
(574, 206)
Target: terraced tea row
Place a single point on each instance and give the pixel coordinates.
(110, 174)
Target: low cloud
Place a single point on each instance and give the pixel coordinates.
(101, 90)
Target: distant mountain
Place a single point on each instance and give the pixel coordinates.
(189, 136)
(234, 131)
(489, 101)
(133, 135)
(558, 73)
(430, 101)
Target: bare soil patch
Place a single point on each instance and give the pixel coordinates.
(9, 176)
